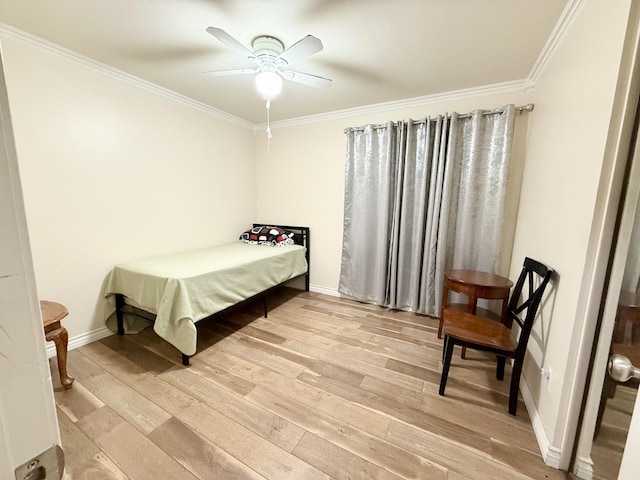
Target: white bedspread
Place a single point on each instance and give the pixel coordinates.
(189, 286)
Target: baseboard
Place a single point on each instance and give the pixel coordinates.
(550, 453)
(584, 468)
(80, 340)
(324, 290)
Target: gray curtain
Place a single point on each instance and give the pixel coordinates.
(420, 198)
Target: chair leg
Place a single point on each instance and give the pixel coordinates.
(515, 385)
(444, 348)
(500, 368)
(440, 327)
(448, 353)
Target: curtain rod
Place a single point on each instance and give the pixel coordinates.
(523, 108)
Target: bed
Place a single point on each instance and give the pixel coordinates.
(178, 290)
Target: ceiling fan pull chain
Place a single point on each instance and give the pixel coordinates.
(268, 120)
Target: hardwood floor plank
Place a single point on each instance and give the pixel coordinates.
(84, 460)
(268, 336)
(171, 399)
(401, 335)
(377, 344)
(319, 341)
(453, 456)
(84, 369)
(392, 407)
(251, 449)
(198, 455)
(141, 357)
(218, 357)
(372, 449)
(131, 451)
(361, 360)
(502, 426)
(75, 402)
(264, 358)
(337, 462)
(141, 412)
(116, 361)
(253, 417)
(353, 364)
(148, 339)
(355, 415)
(343, 333)
(523, 461)
(307, 361)
(161, 393)
(221, 376)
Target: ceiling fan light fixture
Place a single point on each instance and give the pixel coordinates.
(269, 84)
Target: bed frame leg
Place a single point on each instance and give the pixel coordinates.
(264, 303)
(185, 360)
(119, 315)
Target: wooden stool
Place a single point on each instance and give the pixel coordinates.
(52, 314)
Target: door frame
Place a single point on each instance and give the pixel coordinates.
(612, 218)
(28, 422)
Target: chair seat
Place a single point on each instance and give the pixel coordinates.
(477, 330)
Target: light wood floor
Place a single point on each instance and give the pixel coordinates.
(608, 445)
(324, 388)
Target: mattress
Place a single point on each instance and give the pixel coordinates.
(186, 287)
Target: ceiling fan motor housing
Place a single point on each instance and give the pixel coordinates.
(267, 48)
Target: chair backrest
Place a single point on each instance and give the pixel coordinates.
(523, 305)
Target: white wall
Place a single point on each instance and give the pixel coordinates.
(567, 136)
(112, 170)
(306, 162)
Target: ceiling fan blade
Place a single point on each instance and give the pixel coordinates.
(229, 41)
(299, 50)
(307, 79)
(237, 71)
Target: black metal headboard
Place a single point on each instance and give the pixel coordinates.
(301, 236)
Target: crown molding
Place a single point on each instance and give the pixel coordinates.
(570, 14)
(517, 86)
(118, 75)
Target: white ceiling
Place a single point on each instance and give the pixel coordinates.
(374, 50)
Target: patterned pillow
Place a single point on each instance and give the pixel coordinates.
(266, 235)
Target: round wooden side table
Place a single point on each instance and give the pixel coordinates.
(52, 315)
(475, 285)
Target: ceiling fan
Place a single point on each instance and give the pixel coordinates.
(272, 61)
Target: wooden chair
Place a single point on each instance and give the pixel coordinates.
(472, 331)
